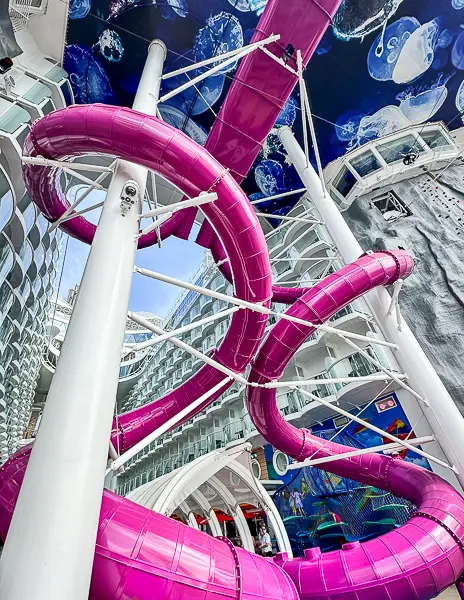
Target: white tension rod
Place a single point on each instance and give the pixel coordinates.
(203, 198)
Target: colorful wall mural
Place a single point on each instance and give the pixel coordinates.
(325, 510)
(381, 66)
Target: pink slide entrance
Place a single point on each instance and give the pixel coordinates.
(145, 556)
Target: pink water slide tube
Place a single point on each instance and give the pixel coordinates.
(141, 554)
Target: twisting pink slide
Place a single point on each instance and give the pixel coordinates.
(143, 555)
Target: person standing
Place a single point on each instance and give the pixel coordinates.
(299, 503)
(264, 540)
(292, 504)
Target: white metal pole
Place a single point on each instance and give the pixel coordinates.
(381, 432)
(51, 542)
(384, 448)
(119, 461)
(443, 415)
(256, 307)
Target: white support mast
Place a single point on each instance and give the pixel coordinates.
(442, 414)
(50, 548)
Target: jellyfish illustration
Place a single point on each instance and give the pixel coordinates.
(460, 98)
(457, 54)
(179, 7)
(78, 9)
(347, 125)
(457, 4)
(418, 53)
(420, 106)
(221, 34)
(287, 115)
(118, 7)
(386, 49)
(88, 78)
(173, 116)
(109, 45)
(446, 37)
(195, 100)
(256, 6)
(386, 120)
(358, 18)
(269, 177)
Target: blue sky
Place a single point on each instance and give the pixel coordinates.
(178, 258)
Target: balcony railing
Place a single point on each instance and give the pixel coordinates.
(354, 365)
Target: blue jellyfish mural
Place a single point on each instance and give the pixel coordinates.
(170, 9)
(404, 51)
(460, 98)
(256, 6)
(457, 54)
(181, 121)
(89, 81)
(78, 9)
(109, 45)
(195, 100)
(269, 176)
(422, 104)
(222, 34)
(358, 18)
(386, 48)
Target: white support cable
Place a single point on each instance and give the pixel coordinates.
(379, 431)
(258, 307)
(394, 304)
(78, 200)
(348, 423)
(83, 178)
(322, 381)
(238, 55)
(221, 57)
(113, 453)
(203, 198)
(180, 344)
(82, 212)
(299, 61)
(388, 372)
(152, 180)
(312, 130)
(155, 225)
(285, 218)
(269, 198)
(386, 448)
(279, 61)
(121, 460)
(314, 260)
(283, 225)
(46, 162)
(193, 325)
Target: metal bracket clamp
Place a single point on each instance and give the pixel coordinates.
(238, 568)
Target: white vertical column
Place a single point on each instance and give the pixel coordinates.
(442, 414)
(50, 546)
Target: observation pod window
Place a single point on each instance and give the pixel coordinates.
(344, 182)
(366, 163)
(396, 150)
(434, 138)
